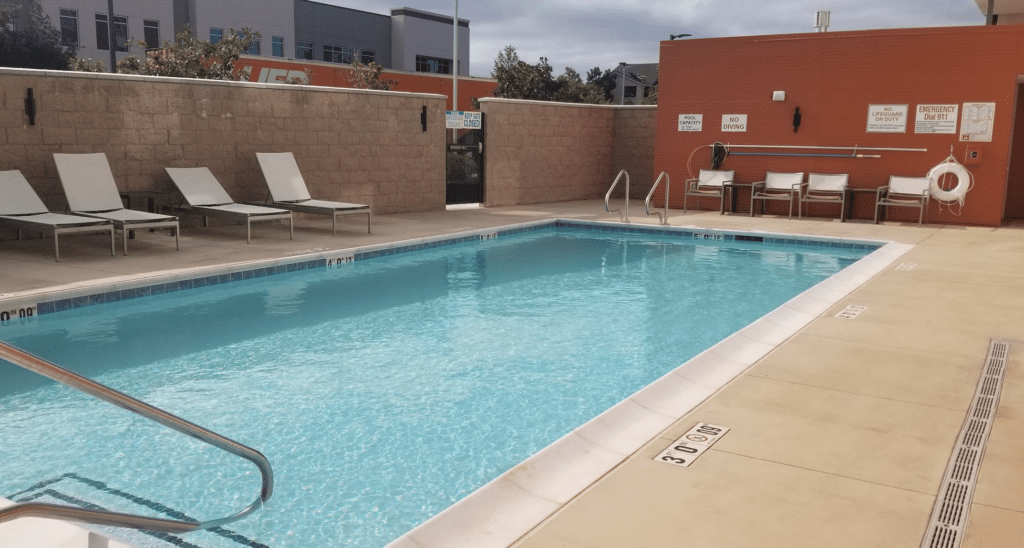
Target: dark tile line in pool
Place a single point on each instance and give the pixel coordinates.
(217, 279)
(655, 231)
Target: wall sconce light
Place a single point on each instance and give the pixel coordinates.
(30, 107)
(423, 118)
(778, 96)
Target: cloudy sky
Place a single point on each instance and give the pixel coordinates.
(588, 33)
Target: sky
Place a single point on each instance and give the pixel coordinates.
(602, 33)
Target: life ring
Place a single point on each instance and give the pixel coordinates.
(955, 194)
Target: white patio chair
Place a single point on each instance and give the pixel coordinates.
(904, 192)
(778, 186)
(827, 189)
(709, 183)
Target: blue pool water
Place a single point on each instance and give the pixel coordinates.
(382, 391)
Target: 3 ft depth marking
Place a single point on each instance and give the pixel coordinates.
(693, 444)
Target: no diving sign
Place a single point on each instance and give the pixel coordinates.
(692, 444)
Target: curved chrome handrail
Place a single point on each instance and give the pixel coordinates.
(623, 216)
(102, 517)
(663, 219)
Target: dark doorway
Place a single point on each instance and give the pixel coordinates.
(464, 166)
(1014, 208)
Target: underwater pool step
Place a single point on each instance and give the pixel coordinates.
(44, 492)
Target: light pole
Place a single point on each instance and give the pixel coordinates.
(674, 36)
(622, 83)
(455, 68)
(110, 31)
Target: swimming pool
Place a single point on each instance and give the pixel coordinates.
(293, 357)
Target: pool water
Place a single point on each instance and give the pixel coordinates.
(382, 391)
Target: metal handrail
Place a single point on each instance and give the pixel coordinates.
(623, 216)
(663, 219)
(102, 517)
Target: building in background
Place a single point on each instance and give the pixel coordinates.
(406, 39)
(634, 83)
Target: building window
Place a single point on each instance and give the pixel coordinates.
(151, 33)
(278, 45)
(69, 27)
(216, 35)
(103, 32)
(436, 65)
(366, 57)
(304, 50)
(629, 91)
(338, 54)
(254, 46)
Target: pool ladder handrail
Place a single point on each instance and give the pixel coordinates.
(623, 215)
(116, 519)
(662, 219)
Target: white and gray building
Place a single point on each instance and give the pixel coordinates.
(406, 39)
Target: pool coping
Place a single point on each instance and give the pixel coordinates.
(501, 512)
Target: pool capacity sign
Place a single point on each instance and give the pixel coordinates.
(461, 119)
(693, 444)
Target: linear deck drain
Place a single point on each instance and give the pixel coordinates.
(953, 504)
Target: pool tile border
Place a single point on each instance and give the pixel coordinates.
(26, 306)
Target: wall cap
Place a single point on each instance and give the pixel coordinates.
(201, 81)
(559, 104)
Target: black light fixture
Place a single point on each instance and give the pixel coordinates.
(423, 117)
(674, 36)
(30, 107)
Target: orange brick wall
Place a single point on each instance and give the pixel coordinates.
(335, 75)
(833, 77)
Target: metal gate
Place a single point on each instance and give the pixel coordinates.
(464, 165)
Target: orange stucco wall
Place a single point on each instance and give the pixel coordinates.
(833, 78)
(334, 75)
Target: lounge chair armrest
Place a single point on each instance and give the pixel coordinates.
(881, 191)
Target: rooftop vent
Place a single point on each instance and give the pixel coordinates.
(821, 20)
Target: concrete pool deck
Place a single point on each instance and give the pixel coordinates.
(839, 437)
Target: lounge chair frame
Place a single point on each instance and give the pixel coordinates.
(206, 196)
(91, 191)
(287, 190)
(708, 183)
(904, 192)
(23, 210)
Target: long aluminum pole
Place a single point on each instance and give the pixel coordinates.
(455, 68)
(728, 145)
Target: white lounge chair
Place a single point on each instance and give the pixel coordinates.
(825, 188)
(205, 195)
(21, 209)
(710, 183)
(778, 186)
(904, 192)
(288, 190)
(91, 191)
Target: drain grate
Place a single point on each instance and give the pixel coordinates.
(851, 312)
(952, 506)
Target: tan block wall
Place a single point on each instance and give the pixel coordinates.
(351, 145)
(540, 152)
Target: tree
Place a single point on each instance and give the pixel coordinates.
(520, 80)
(192, 58)
(368, 77)
(605, 80)
(28, 39)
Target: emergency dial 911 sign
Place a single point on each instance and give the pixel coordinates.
(692, 444)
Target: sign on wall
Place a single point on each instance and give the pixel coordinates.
(734, 122)
(976, 125)
(887, 119)
(691, 122)
(461, 119)
(936, 119)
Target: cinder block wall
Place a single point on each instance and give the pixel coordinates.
(550, 152)
(351, 145)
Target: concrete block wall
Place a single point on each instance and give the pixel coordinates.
(351, 145)
(540, 152)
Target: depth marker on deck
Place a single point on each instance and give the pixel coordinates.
(693, 444)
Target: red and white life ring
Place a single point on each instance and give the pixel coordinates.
(963, 183)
